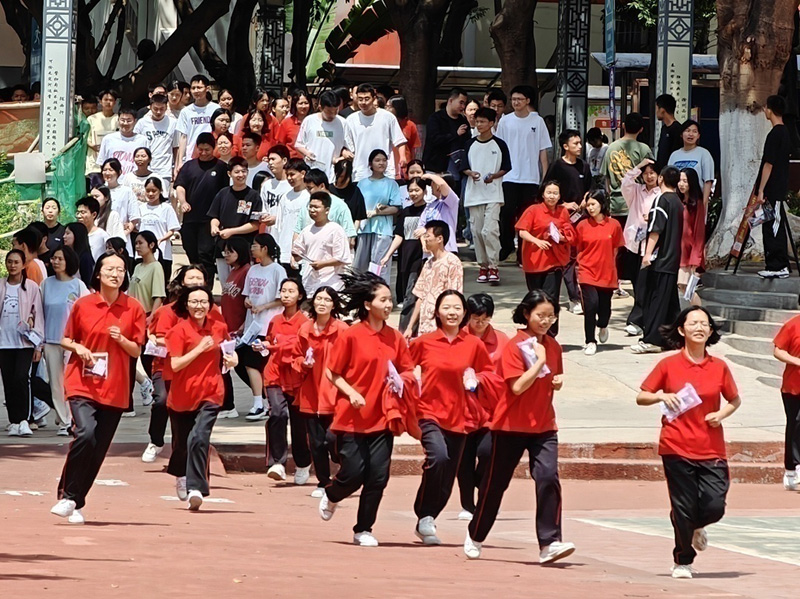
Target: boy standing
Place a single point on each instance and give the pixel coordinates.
(488, 160)
(160, 129)
(272, 190)
(194, 119)
(123, 143)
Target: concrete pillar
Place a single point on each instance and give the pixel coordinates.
(674, 55)
(574, 18)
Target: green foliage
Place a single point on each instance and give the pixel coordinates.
(477, 14)
(13, 214)
(646, 11)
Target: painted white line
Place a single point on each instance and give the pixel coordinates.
(21, 493)
(112, 482)
(205, 499)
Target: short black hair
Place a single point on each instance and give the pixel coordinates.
(296, 164)
(281, 150)
(72, 263)
(594, 133)
(525, 90)
(95, 281)
(439, 228)
(671, 176)
(496, 94)
(30, 237)
(241, 246)
(316, 177)
(457, 92)
(254, 137)
(675, 340)
(127, 110)
(181, 307)
(200, 78)
(159, 99)
(206, 138)
(599, 195)
(92, 205)
(667, 102)
(374, 154)
(366, 88)
(479, 304)
(566, 135)
(689, 123)
(302, 290)
(777, 105)
(52, 199)
(323, 196)
(328, 99)
(108, 92)
(532, 299)
(115, 165)
(440, 299)
(634, 123)
(486, 113)
(237, 161)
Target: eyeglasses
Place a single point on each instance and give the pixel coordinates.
(546, 319)
(198, 303)
(697, 325)
(112, 271)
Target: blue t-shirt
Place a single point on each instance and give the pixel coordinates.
(379, 191)
(57, 299)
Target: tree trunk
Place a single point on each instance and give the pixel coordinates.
(241, 75)
(215, 66)
(18, 18)
(419, 27)
(754, 43)
(512, 32)
(301, 22)
(449, 53)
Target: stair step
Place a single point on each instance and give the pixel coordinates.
(759, 346)
(750, 328)
(751, 299)
(738, 312)
(749, 281)
(770, 381)
(765, 365)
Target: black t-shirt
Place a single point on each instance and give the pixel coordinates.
(55, 239)
(669, 141)
(353, 198)
(777, 148)
(666, 219)
(411, 249)
(202, 181)
(574, 179)
(233, 209)
(442, 140)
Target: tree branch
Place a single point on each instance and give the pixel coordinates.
(112, 66)
(118, 6)
(205, 51)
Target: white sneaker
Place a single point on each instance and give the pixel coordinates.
(318, 492)
(63, 508)
(13, 430)
(25, 429)
(774, 274)
(633, 331)
(645, 348)
(76, 518)
(301, 475)
(146, 392)
(700, 539)
(256, 414)
(228, 414)
(590, 349)
(131, 414)
(151, 452)
(576, 308)
(365, 539)
(40, 409)
(63, 431)
(40, 423)
(555, 551)
(277, 472)
(465, 515)
(426, 531)
(180, 488)
(602, 335)
(679, 571)
(789, 481)
(195, 500)
(326, 507)
(472, 549)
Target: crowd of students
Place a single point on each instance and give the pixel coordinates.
(298, 207)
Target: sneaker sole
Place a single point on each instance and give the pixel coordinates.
(254, 418)
(275, 476)
(558, 556)
(195, 502)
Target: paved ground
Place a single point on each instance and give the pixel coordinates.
(597, 402)
(258, 538)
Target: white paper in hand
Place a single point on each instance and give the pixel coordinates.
(100, 366)
(691, 287)
(375, 268)
(689, 399)
(394, 380)
(227, 348)
(529, 355)
(309, 360)
(151, 349)
(554, 234)
(251, 333)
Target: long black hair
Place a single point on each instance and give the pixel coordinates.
(673, 337)
(336, 310)
(447, 293)
(528, 304)
(268, 241)
(105, 209)
(176, 284)
(694, 194)
(181, 307)
(360, 287)
(81, 235)
(22, 273)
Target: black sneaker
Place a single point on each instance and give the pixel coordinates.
(256, 414)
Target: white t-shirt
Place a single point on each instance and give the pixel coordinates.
(9, 319)
(366, 133)
(252, 171)
(192, 121)
(272, 192)
(595, 157)
(162, 137)
(525, 138)
(122, 148)
(136, 184)
(97, 242)
(262, 286)
(328, 242)
(160, 219)
(486, 157)
(323, 139)
(289, 210)
(124, 203)
(99, 127)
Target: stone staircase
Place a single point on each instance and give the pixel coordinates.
(751, 310)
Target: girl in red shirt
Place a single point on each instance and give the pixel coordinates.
(478, 446)
(257, 121)
(524, 419)
(316, 395)
(281, 382)
(104, 331)
(693, 239)
(359, 369)
(787, 350)
(692, 446)
(197, 390)
(598, 239)
(546, 234)
(299, 107)
(446, 403)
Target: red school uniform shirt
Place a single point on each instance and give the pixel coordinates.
(361, 356)
(166, 321)
(532, 411)
(689, 435)
(443, 398)
(597, 245)
(281, 337)
(287, 134)
(413, 142)
(201, 381)
(316, 394)
(536, 221)
(232, 303)
(88, 324)
(788, 339)
(494, 341)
